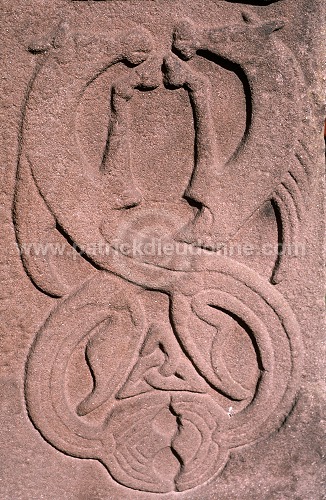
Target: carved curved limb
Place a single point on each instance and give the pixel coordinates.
(273, 80)
(277, 336)
(218, 375)
(207, 156)
(84, 313)
(37, 236)
(116, 168)
(72, 63)
(179, 74)
(202, 308)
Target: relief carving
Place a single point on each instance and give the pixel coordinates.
(160, 394)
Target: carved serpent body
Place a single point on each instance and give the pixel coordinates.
(234, 288)
(107, 312)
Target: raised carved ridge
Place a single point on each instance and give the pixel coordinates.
(101, 310)
(153, 382)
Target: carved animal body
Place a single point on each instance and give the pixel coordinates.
(104, 307)
(60, 81)
(257, 171)
(170, 381)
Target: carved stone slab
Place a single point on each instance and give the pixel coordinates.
(162, 284)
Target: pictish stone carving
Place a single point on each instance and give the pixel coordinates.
(185, 355)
